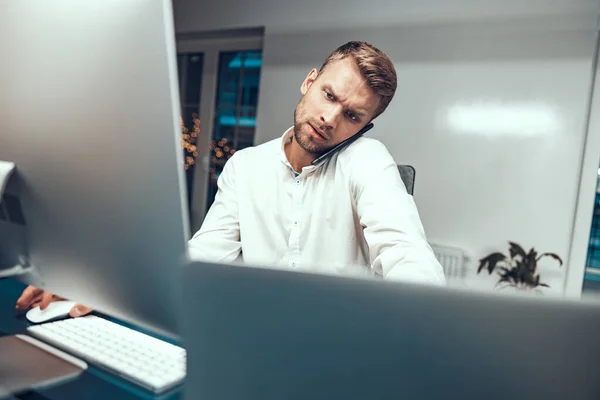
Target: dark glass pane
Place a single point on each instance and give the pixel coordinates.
(228, 81)
(194, 70)
(593, 256)
(235, 111)
(180, 75)
(190, 69)
(180, 65)
(252, 68)
(592, 276)
(245, 134)
(227, 116)
(188, 115)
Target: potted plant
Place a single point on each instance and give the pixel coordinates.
(519, 269)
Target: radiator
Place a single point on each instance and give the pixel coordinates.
(452, 260)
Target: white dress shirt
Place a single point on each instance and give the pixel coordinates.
(350, 215)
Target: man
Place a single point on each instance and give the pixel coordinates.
(349, 214)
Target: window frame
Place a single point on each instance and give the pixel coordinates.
(586, 196)
(211, 46)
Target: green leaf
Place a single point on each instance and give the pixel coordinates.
(516, 249)
(490, 262)
(553, 255)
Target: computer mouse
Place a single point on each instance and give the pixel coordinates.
(55, 310)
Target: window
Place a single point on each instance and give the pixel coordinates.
(591, 281)
(235, 111)
(219, 78)
(190, 68)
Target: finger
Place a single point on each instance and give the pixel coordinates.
(38, 300)
(79, 310)
(46, 298)
(35, 300)
(27, 297)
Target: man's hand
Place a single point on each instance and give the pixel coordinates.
(33, 297)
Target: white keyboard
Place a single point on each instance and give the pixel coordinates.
(140, 358)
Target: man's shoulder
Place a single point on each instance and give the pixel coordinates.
(367, 162)
(366, 149)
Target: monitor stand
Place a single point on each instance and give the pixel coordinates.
(12, 231)
(28, 364)
(6, 170)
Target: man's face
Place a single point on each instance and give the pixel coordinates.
(335, 105)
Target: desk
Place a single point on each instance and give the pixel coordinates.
(93, 384)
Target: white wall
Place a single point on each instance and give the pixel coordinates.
(286, 15)
(490, 111)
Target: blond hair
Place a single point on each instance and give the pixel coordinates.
(375, 67)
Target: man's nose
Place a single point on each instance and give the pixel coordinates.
(330, 117)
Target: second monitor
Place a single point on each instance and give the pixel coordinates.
(89, 114)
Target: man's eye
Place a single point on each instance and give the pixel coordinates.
(352, 116)
(329, 95)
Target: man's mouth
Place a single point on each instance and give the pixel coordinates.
(316, 134)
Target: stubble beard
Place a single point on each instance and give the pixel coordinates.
(302, 138)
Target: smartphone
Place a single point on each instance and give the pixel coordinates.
(343, 144)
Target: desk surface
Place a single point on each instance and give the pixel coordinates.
(92, 384)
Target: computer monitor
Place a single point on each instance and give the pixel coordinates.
(89, 114)
(276, 334)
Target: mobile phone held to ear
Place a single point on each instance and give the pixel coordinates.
(343, 144)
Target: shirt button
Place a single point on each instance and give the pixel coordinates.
(295, 223)
(293, 264)
(297, 181)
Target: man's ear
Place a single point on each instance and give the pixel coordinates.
(308, 81)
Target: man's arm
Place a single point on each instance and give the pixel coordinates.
(392, 227)
(218, 239)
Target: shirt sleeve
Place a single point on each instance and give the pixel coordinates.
(391, 224)
(218, 240)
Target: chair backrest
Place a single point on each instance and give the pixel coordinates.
(407, 173)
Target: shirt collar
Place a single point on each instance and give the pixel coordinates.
(285, 138)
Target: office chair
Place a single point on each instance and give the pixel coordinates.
(407, 173)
